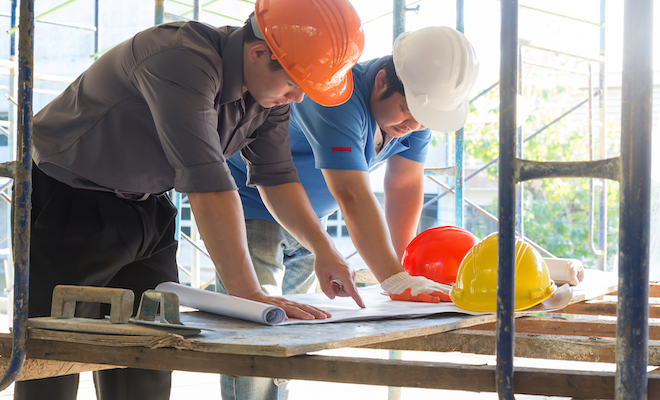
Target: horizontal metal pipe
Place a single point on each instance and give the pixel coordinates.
(446, 171)
(596, 58)
(8, 169)
(608, 169)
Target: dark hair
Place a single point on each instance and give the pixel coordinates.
(249, 37)
(394, 84)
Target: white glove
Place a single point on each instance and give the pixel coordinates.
(402, 286)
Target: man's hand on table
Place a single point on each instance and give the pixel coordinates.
(402, 286)
(292, 309)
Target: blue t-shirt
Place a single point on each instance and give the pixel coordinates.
(339, 138)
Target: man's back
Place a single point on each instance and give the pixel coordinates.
(100, 132)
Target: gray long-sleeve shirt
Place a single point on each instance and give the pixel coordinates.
(163, 109)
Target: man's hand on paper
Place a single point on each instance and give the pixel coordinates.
(337, 282)
(292, 309)
(402, 286)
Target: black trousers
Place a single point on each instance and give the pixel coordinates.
(92, 238)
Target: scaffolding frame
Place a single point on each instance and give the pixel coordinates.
(632, 169)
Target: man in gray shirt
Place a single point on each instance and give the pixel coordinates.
(164, 110)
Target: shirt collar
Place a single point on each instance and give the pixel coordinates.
(232, 67)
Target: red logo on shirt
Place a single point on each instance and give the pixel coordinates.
(341, 149)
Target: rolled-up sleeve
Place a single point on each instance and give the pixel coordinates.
(181, 96)
(268, 159)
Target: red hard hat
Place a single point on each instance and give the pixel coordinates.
(437, 253)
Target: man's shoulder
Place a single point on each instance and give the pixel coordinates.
(192, 35)
(368, 68)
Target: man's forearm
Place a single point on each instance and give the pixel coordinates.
(364, 220)
(290, 206)
(219, 217)
(402, 213)
(404, 199)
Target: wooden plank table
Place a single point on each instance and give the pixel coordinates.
(237, 347)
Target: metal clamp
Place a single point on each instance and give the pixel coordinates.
(169, 307)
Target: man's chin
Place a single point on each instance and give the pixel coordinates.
(395, 133)
(268, 104)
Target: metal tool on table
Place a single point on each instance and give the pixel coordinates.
(65, 298)
(168, 303)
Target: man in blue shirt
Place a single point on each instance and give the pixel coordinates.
(424, 84)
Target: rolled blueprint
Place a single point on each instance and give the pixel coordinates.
(565, 270)
(224, 304)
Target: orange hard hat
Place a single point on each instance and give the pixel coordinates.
(317, 42)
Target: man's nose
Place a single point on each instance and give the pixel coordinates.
(414, 125)
(296, 95)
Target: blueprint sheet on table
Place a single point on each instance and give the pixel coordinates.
(379, 306)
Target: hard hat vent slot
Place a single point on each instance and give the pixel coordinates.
(536, 293)
(422, 98)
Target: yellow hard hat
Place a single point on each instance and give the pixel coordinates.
(476, 280)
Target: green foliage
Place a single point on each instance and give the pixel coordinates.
(556, 211)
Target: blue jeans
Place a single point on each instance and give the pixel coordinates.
(283, 266)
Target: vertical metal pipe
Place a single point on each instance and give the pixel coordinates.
(520, 194)
(176, 199)
(459, 203)
(197, 10)
(507, 196)
(12, 36)
(195, 259)
(22, 196)
(634, 214)
(399, 26)
(592, 156)
(160, 12)
(459, 180)
(97, 20)
(394, 393)
(399, 16)
(602, 113)
(11, 117)
(13, 88)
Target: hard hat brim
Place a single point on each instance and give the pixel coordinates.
(330, 97)
(434, 119)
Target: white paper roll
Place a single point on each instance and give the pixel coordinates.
(565, 270)
(224, 304)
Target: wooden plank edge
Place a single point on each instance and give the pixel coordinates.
(551, 347)
(600, 307)
(557, 325)
(39, 368)
(654, 290)
(401, 373)
(198, 344)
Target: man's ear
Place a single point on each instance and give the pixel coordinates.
(380, 83)
(257, 51)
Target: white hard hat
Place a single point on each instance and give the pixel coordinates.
(438, 67)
